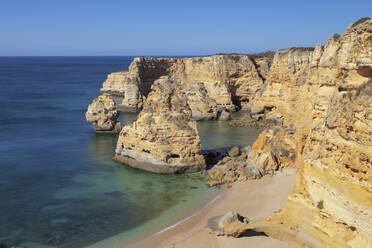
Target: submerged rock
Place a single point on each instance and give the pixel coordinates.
(164, 138)
(103, 115)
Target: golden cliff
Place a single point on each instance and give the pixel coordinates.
(321, 99)
(212, 83)
(331, 110)
(164, 138)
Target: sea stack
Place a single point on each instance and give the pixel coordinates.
(164, 138)
(103, 114)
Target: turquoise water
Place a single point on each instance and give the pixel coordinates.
(58, 184)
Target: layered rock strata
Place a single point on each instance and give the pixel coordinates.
(234, 167)
(103, 115)
(164, 138)
(213, 83)
(331, 205)
(123, 89)
(277, 98)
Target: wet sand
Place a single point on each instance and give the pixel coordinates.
(253, 199)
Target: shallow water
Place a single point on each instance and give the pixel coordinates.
(58, 184)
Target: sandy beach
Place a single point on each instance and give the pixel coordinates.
(253, 199)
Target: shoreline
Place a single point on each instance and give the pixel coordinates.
(209, 204)
(264, 197)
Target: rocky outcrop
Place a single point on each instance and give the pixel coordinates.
(331, 204)
(213, 83)
(277, 98)
(103, 115)
(202, 106)
(234, 167)
(123, 89)
(231, 80)
(230, 224)
(274, 149)
(164, 138)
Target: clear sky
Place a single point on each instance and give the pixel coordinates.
(169, 27)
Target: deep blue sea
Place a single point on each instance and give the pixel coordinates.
(58, 184)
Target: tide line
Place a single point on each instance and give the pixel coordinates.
(182, 221)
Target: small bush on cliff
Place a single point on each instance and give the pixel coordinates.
(303, 49)
(336, 36)
(267, 54)
(361, 20)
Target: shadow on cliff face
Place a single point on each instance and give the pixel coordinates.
(213, 156)
(252, 233)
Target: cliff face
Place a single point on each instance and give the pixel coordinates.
(277, 99)
(229, 81)
(123, 89)
(331, 204)
(322, 99)
(164, 138)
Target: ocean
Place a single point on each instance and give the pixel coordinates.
(58, 184)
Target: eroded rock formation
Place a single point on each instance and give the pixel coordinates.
(321, 99)
(234, 167)
(103, 115)
(331, 205)
(277, 98)
(230, 224)
(212, 83)
(164, 138)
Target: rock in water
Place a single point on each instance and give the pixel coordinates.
(224, 116)
(164, 138)
(103, 115)
(212, 83)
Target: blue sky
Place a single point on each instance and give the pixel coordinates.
(138, 27)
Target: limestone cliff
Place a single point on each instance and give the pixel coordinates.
(278, 97)
(331, 205)
(164, 138)
(213, 83)
(231, 80)
(123, 88)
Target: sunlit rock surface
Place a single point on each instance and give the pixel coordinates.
(103, 115)
(164, 138)
(213, 83)
(331, 205)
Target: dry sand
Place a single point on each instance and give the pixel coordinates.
(252, 199)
